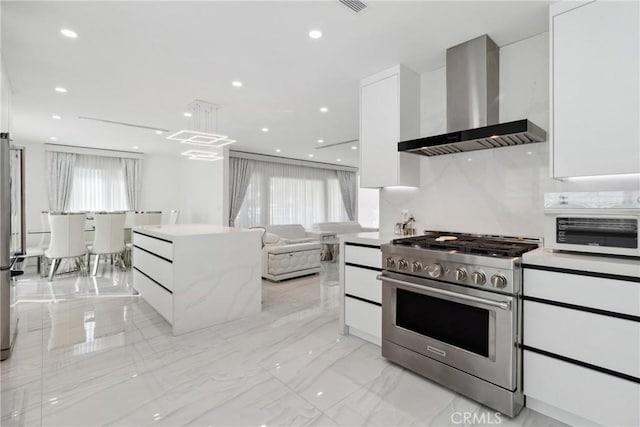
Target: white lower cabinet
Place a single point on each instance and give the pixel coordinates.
(587, 394)
(157, 296)
(364, 319)
(362, 282)
(363, 291)
(605, 341)
(581, 338)
(363, 256)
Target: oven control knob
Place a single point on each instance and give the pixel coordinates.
(390, 262)
(461, 274)
(498, 281)
(416, 266)
(478, 278)
(434, 270)
(403, 264)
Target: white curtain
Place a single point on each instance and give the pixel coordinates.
(59, 173)
(132, 169)
(288, 194)
(349, 189)
(99, 184)
(240, 171)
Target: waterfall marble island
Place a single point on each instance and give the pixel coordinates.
(198, 275)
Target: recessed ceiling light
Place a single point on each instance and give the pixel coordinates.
(56, 117)
(61, 89)
(69, 33)
(53, 138)
(277, 150)
(265, 129)
(187, 114)
(338, 160)
(310, 155)
(320, 141)
(315, 34)
(529, 152)
(468, 160)
(159, 132)
(354, 148)
(135, 147)
(236, 83)
(323, 109)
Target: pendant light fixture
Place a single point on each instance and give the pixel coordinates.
(202, 155)
(202, 119)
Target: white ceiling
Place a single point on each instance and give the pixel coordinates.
(143, 62)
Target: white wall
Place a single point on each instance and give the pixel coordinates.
(498, 191)
(197, 188)
(5, 98)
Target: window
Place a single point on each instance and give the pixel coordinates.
(98, 184)
(288, 194)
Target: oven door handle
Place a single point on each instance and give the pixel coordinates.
(504, 305)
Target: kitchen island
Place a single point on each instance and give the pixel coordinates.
(198, 275)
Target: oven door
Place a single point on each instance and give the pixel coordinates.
(471, 330)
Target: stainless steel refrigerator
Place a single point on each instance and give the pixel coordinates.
(8, 318)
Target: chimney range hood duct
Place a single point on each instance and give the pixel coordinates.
(472, 106)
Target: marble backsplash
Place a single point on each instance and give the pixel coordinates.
(498, 191)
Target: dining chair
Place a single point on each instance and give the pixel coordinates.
(108, 237)
(153, 217)
(37, 251)
(67, 240)
(141, 218)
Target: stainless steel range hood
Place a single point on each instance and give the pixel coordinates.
(473, 78)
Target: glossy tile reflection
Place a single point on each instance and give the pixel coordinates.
(91, 353)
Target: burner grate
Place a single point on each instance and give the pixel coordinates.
(493, 246)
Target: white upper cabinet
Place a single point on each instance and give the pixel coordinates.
(389, 113)
(595, 98)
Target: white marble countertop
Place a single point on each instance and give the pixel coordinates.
(181, 230)
(624, 266)
(375, 238)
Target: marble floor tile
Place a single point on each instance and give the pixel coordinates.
(91, 352)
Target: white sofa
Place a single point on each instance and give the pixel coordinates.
(288, 252)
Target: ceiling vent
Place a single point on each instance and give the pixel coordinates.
(354, 5)
(114, 122)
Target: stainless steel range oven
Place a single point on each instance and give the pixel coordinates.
(451, 312)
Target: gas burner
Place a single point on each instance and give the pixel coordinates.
(492, 246)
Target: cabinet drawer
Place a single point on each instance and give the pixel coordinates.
(362, 283)
(157, 268)
(363, 316)
(599, 397)
(371, 257)
(618, 296)
(604, 341)
(157, 246)
(152, 293)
